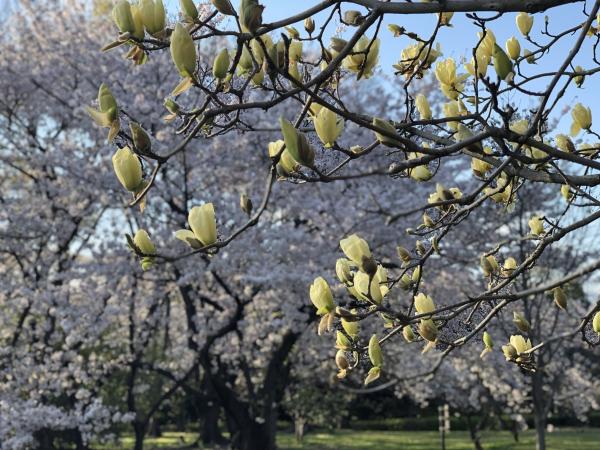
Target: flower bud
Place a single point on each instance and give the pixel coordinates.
(502, 63)
(246, 204)
(579, 79)
(424, 304)
(221, 64)
(509, 351)
(529, 56)
(566, 192)
(353, 17)
(519, 343)
(328, 126)
(403, 254)
(189, 9)
(582, 118)
(428, 330)
(564, 143)
(356, 249)
(309, 25)
(513, 48)
(560, 298)
(250, 15)
(128, 169)
(521, 322)
(183, 51)
(122, 17)
(428, 221)
(375, 354)
(509, 266)
(536, 224)
(524, 23)
(342, 270)
(296, 143)
(293, 32)
(203, 223)
(321, 297)
(486, 266)
(342, 342)
(408, 333)
(389, 128)
(350, 327)
(596, 322)
(143, 243)
(141, 140)
(153, 16)
(487, 340)
(337, 44)
(360, 64)
(224, 7)
(423, 107)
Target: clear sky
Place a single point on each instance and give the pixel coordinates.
(458, 41)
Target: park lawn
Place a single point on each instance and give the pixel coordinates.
(567, 439)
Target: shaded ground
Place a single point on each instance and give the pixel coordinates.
(568, 439)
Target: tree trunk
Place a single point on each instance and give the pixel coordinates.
(140, 432)
(474, 433)
(299, 423)
(539, 409)
(210, 432)
(540, 430)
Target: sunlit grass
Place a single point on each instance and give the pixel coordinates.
(569, 439)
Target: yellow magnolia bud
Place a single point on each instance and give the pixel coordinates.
(424, 304)
(502, 64)
(560, 298)
(203, 223)
(520, 344)
(536, 225)
(371, 289)
(296, 143)
(107, 115)
(246, 204)
(389, 128)
(487, 340)
(309, 25)
(396, 30)
(153, 15)
(373, 375)
(596, 322)
(487, 44)
(183, 51)
(293, 32)
(342, 342)
(138, 22)
(428, 330)
(445, 72)
(483, 61)
(221, 64)
(416, 275)
(321, 297)
(513, 48)
(423, 107)
(356, 249)
(350, 327)
(521, 323)
(250, 15)
(565, 191)
(128, 169)
(143, 243)
(529, 56)
(486, 266)
(582, 118)
(408, 333)
(189, 9)
(328, 126)
(509, 351)
(509, 266)
(342, 270)
(375, 354)
(403, 254)
(564, 143)
(360, 64)
(428, 221)
(353, 17)
(122, 17)
(579, 79)
(224, 7)
(524, 23)
(141, 140)
(337, 44)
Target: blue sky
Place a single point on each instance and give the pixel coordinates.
(459, 40)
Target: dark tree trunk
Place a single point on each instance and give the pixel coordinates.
(210, 432)
(140, 432)
(474, 433)
(539, 409)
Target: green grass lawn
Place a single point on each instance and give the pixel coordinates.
(567, 439)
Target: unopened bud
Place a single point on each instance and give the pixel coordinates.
(521, 322)
(246, 204)
(353, 17)
(560, 298)
(408, 333)
(309, 25)
(224, 7)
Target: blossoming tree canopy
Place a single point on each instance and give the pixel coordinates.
(307, 63)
